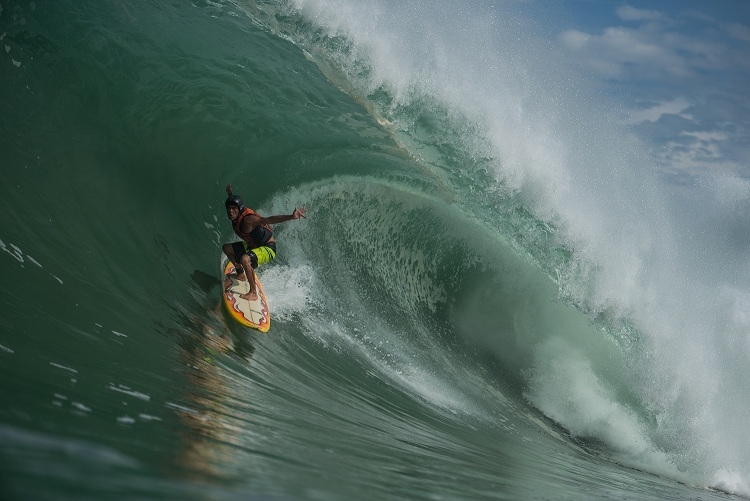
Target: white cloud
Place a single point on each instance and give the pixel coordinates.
(738, 31)
(677, 159)
(653, 114)
(655, 47)
(628, 13)
(574, 39)
(633, 45)
(696, 152)
(619, 49)
(681, 64)
(707, 137)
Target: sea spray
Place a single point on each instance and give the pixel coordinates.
(638, 261)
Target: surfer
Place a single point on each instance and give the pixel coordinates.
(258, 245)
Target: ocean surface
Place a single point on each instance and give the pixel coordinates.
(494, 295)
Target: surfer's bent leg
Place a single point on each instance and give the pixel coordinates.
(252, 294)
(238, 250)
(251, 260)
(229, 252)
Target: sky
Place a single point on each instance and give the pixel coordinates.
(681, 68)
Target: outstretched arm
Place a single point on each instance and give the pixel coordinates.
(298, 213)
(229, 189)
(254, 220)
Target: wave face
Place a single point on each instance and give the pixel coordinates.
(494, 294)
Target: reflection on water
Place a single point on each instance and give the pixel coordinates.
(212, 429)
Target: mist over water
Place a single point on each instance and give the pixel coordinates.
(660, 269)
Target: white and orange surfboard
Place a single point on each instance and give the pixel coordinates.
(253, 314)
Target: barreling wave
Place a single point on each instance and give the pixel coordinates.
(524, 192)
(493, 293)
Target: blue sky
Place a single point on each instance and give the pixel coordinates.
(680, 68)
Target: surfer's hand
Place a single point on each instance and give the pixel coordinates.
(298, 213)
(229, 189)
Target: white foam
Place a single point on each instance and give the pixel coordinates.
(566, 388)
(14, 251)
(180, 408)
(127, 391)
(730, 481)
(289, 289)
(33, 260)
(53, 364)
(81, 407)
(672, 261)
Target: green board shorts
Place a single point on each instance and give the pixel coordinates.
(258, 256)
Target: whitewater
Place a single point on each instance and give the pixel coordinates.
(496, 293)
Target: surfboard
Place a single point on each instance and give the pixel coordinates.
(253, 314)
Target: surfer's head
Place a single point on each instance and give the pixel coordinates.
(231, 203)
(235, 201)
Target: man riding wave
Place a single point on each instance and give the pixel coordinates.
(258, 245)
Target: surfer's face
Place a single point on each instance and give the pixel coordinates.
(232, 212)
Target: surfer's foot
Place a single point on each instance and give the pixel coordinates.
(250, 296)
(241, 276)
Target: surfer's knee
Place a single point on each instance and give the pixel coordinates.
(245, 260)
(227, 248)
(250, 260)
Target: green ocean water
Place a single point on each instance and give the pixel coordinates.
(415, 311)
